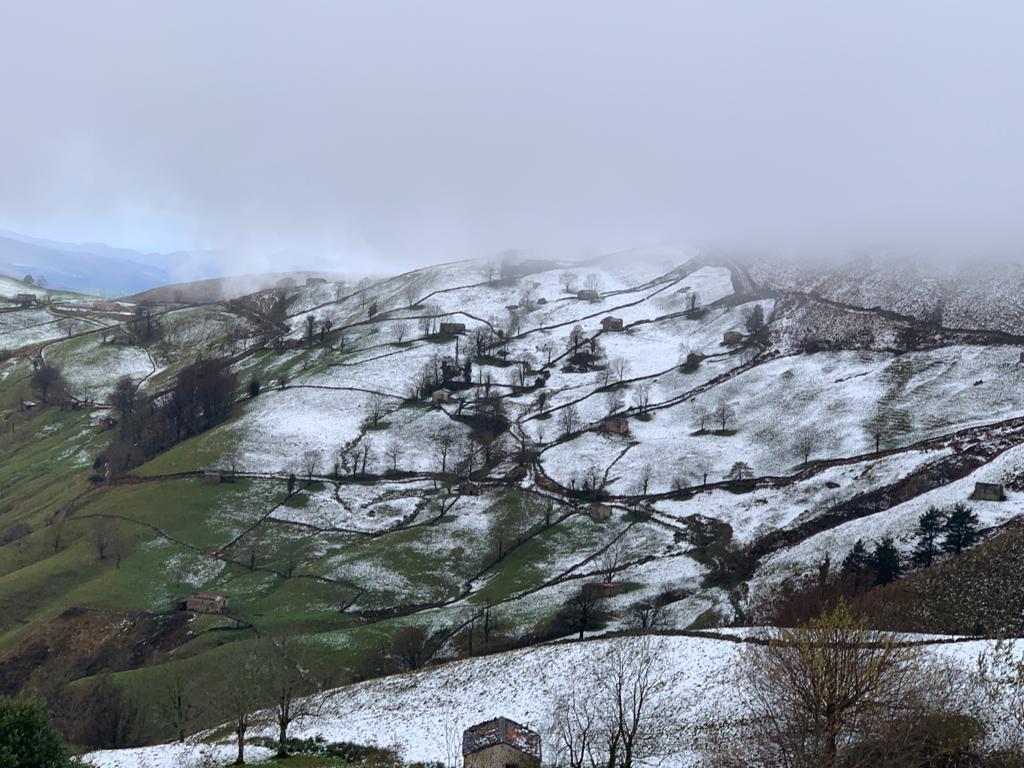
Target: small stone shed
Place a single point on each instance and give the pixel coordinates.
(732, 337)
(612, 323)
(205, 602)
(599, 512)
(989, 492)
(616, 425)
(588, 295)
(439, 396)
(500, 743)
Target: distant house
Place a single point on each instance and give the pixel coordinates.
(588, 295)
(205, 602)
(104, 305)
(617, 425)
(732, 337)
(28, 405)
(452, 328)
(599, 512)
(212, 476)
(439, 396)
(611, 323)
(311, 281)
(989, 492)
(500, 743)
(25, 299)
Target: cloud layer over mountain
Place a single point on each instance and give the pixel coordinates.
(409, 132)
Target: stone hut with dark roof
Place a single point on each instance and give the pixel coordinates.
(989, 492)
(616, 425)
(500, 743)
(611, 323)
(205, 602)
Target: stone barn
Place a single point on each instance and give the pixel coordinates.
(611, 323)
(439, 396)
(588, 295)
(989, 492)
(500, 743)
(732, 337)
(599, 512)
(616, 425)
(205, 602)
(452, 328)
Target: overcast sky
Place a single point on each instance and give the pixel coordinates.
(413, 132)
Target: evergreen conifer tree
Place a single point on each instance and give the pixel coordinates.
(929, 530)
(961, 529)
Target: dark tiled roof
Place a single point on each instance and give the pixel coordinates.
(501, 730)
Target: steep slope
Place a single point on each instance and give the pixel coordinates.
(431, 451)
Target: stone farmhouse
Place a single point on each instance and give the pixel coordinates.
(500, 743)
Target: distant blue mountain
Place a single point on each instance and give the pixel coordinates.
(95, 268)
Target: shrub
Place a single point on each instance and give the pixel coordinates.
(27, 740)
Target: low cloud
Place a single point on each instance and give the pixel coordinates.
(362, 135)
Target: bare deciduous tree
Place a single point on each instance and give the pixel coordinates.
(703, 464)
(642, 395)
(310, 462)
(724, 413)
(805, 442)
(569, 419)
(445, 440)
(833, 692)
(613, 401)
(612, 559)
(296, 693)
(619, 367)
(701, 416)
(621, 713)
(103, 537)
(375, 408)
(394, 450)
(241, 686)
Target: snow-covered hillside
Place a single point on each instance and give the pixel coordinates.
(504, 439)
(422, 714)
